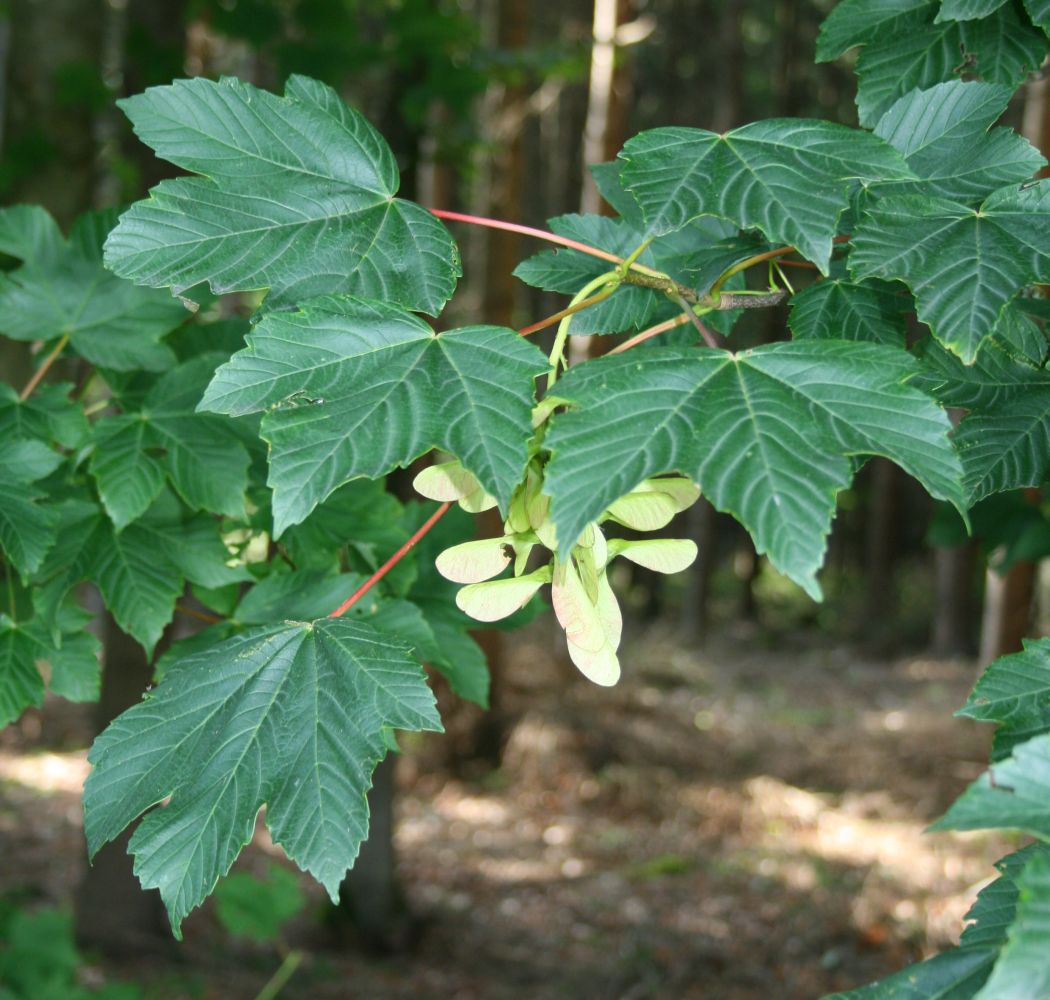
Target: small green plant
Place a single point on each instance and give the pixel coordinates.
(257, 909)
(39, 961)
(244, 459)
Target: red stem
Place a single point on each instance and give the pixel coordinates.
(513, 227)
(391, 562)
(653, 331)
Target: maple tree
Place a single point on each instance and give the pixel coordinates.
(244, 458)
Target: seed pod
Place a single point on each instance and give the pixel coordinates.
(661, 555)
(446, 482)
(473, 562)
(496, 599)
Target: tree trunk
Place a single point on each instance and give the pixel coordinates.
(880, 545)
(952, 633)
(113, 913)
(1007, 610)
(371, 895)
(604, 129)
(53, 85)
(700, 519)
(728, 86)
(748, 566)
(506, 180)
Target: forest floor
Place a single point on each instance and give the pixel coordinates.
(738, 822)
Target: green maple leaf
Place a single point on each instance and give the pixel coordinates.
(355, 388)
(66, 644)
(362, 519)
(62, 289)
(765, 433)
(966, 10)
(138, 583)
(990, 917)
(788, 178)
(1014, 692)
(962, 971)
(1022, 969)
(298, 595)
(142, 570)
(610, 186)
(26, 525)
(294, 716)
(1004, 440)
(296, 195)
(1019, 333)
(858, 22)
(1039, 12)
(839, 309)
(944, 135)
(907, 48)
(963, 264)
(167, 439)
(1013, 794)
(28, 233)
(48, 415)
(21, 684)
(1002, 48)
(435, 638)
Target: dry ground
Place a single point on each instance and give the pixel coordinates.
(739, 822)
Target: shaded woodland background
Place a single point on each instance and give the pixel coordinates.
(494, 107)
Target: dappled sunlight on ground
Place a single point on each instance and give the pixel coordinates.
(46, 772)
(734, 822)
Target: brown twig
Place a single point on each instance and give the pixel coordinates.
(707, 336)
(203, 616)
(39, 374)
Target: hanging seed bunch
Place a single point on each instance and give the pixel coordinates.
(583, 599)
